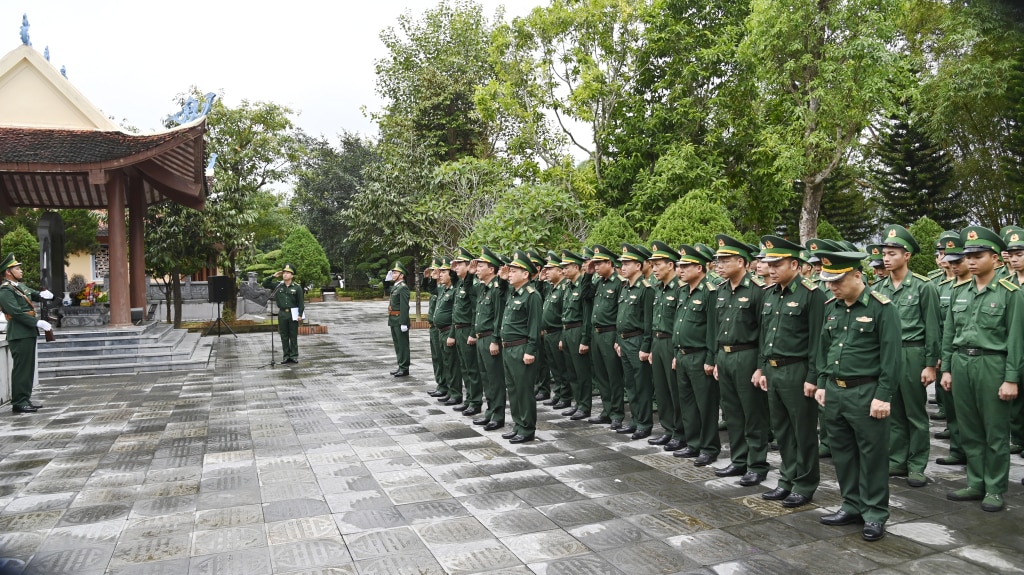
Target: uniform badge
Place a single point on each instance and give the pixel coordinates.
(768, 245)
(865, 319)
(892, 233)
(744, 299)
(696, 302)
(972, 235)
(792, 304)
(670, 298)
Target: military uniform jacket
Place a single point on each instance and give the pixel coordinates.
(16, 301)
(551, 318)
(399, 303)
(636, 311)
(738, 312)
(445, 305)
(291, 296)
(791, 320)
(917, 301)
(606, 301)
(695, 317)
(521, 318)
(490, 303)
(430, 286)
(861, 340)
(466, 291)
(578, 305)
(665, 302)
(991, 319)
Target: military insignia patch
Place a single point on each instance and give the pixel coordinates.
(721, 243)
(875, 252)
(768, 245)
(792, 304)
(865, 319)
(814, 246)
(744, 299)
(697, 302)
(950, 245)
(892, 233)
(1015, 237)
(826, 261)
(972, 235)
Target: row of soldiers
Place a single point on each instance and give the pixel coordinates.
(763, 333)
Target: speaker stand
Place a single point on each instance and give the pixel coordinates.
(220, 322)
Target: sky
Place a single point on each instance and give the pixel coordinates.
(131, 58)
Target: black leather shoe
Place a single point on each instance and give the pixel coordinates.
(950, 461)
(626, 430)
(493, 425)
(389, 373)
(873, 531)
(461, 407)
(35, 405)
(795, 500)
(687, 452)
(399, 374)
(840, 518)
(703, 459)
(453, 402)
(777, 494)
(730, 470)
(481, 421)
(580, 415)
(551, 401)
(520, 439)
(640, 434)
(600, 419)
(541, 396)
(27, 408)
(752, 478)
(570, 411)
(509, 435)
(436, 393)
(561, 405)
(673, 445)
(472, 411)
(444, 398)
(616, 425)
(660, 440)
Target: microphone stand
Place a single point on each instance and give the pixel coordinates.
(270, 301)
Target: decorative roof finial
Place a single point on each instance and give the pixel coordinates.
(24, 30)
(46, 53)
(191, 109)
(64, 72)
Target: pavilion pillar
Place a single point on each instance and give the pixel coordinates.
(120, 300)
(137, 243)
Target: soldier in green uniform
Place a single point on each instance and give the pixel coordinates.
(877, 262)
(814, 247)
(982, 359)
(859, 367)
(520, 339)
(467, 289)
(953, 255)
(791, 316)
(577, 313)
(737, 330)
(551, 332)
(542, 387)
(431, 287)
(490, 304)
(289, 297)
(606, 364)
(1013, 256)
(694, 361)
(443, 314)
(663, 316)
(22, 332)
(917, 301)
(633, 344)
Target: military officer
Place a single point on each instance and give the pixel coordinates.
(666, 301)
(694, 361)
(633, 344)
(982, 359)
(577, 315)
(606, 364)
(289, 297)
(490, 304)
(520, 339)
(467, 289)
(791, 316)
(917, 301)
(443, 314)
(430, 286)
(860, 366)
(737, 330)
(1013, 237)
(877, 262)
(22, 332)
(953, 255)
(551, 332)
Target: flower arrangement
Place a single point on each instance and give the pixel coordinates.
(90, 294)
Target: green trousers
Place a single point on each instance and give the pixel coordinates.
(698, 403)
(555, 360)
(637, 383)
(436, 361)
(666, 392)
(608, 375)
(984, 420)
(289, 332)
(956, 450)
(23, 369)
(452, 369)
(520, 378)
(577, 369)
(860, 450)
(492, 372)
(1017, 420)
(909, 441)
(467, 362)
(745, 408)
(794, 419)
(543, 384)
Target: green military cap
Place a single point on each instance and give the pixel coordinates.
(487, 256)
(433, 264)
(835, 265)
(444, 264)
(588, 254)
(398, 267)
(570, 257)
(462, 255)
(978, 239)
(646, 253)
(875, 256)
(287, 268)
(805, 256)
(730, 246)
(601, 253)
(691, 255)
(705, 251)
(952, 248)
(897, 236)
(1005, 230)
(535, 258)
(629, 252)
(662, 251)
(1013, 237)
(553, 260)
(815, 245)
(521, 260)
(940, 243)
(849, 247)
(754, 249)
(9, 262)
(777, 249)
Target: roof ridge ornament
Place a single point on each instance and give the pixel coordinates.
(190, 110)
(24, 30)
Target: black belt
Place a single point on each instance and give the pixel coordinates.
(915, 343)
(514, 342)
(604, 328)
(443, 328)
(854, 381)
(462, 325)
(781, 361)
(550, 330)
(629, 334)
(689, 350)
(484, 333)
(973, 351)
(572, 324)
(662, 334)
(738, 347)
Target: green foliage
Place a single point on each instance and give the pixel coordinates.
(528, 216)
(696, 217)
(25, 248)
(612, 231)
(302, 250)
(80, 227)
(827, 231)
(681, 169)
(926, 231)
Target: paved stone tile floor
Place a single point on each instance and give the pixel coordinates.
(334, 467)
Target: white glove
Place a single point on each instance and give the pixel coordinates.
(44, 325)
(46, 294)
(405, 328)
(303, 318)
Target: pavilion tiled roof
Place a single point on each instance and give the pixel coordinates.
(55, 146)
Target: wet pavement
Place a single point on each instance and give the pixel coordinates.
(334, 467)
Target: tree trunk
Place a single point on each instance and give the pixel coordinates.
(814, 188)
(232, 302)
(176, 295)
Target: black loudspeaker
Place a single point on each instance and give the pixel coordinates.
(219, 288)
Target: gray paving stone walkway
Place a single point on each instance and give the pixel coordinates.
(334, 467)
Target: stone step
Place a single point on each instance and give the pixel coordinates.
(166, 342)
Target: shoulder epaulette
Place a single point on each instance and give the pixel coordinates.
(809, 284)
(921, 277)
(831, 299)
(758, 280)
(711, 286)
(881, 297)
(530, 289)
(946, 281)
(935, 272)
(966, 281)
(646, 283)
(1008, 284)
